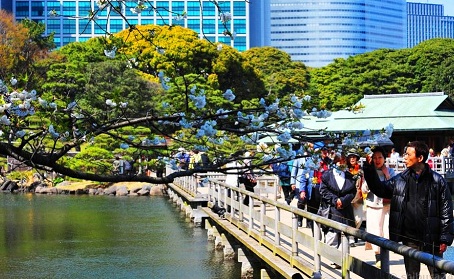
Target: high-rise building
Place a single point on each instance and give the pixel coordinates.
(317, 32)
(314, 32)
(6, 5)
(427, 21)
(70, 19)
(259, 22)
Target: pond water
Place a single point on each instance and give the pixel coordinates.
(66, 236)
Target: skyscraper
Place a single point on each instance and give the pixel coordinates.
(317, 32)
(70, 19)
(427, 21)
(312, 31)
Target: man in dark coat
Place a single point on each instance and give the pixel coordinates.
(421, 207)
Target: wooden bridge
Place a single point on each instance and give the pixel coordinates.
(268, 228)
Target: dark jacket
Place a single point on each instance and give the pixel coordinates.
(330, 192)
(437, 205)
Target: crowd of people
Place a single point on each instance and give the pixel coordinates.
(413, 207)
(186, 160)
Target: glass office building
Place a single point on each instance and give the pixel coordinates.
(72, 24)
(427, 21)
(312, 31)
(318, 31)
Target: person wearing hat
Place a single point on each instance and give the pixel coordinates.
(354, 168)
(183, 158)
(353, 152)
(377, 210)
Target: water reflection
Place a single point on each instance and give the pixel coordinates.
(103, 237)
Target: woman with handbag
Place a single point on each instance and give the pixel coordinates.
(378, 209)
(337, 190)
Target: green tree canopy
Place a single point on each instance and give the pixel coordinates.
(423, 68)
(281, 76)
(101, 94)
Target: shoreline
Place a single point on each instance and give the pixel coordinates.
(87, 187)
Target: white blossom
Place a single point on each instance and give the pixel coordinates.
(13, 81)
(111, 103)
(225, 17)
(4, 120)
(110, 53)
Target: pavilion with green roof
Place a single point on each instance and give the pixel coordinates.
(416, 116)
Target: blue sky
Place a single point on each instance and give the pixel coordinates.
(448, 4)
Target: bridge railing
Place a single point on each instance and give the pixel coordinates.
(267, 221)
(266, 182)
(442, 165)
(289, 242)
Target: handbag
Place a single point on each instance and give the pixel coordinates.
(248, 179)
(324, 211)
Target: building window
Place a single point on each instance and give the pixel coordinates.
(53, 25)
(147, 21)
(240, 43)
(177, 7)
(239, 8)
(209, 26)
(193, 8)
(37, 8)
(225, 39)
(84, 8)
(208, 9)
(69, 8)
(162, 8)
(68, 26)
(102, 24)
(224, 6)
(194, 24)
(116, 25)
(240, 26)
(84, 26)
(22, 9)
(53, 5)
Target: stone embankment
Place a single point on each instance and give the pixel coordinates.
(90, 188)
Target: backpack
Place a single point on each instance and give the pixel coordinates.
(282, 170)
(127, 165)
(205, 160)
(197, 160)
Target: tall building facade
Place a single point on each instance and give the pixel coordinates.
(314, 32)
(70, 19)
(317, 32)
(427, 21)
(6, 5)
(259, 18)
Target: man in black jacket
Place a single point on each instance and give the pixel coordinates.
(421, 207)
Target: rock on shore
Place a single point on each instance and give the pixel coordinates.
(117, 189)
